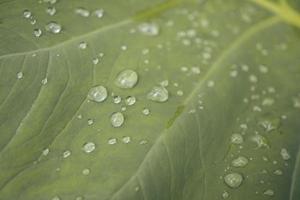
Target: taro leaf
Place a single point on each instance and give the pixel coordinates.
(232, 68)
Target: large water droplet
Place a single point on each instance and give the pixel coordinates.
(130, 100)
(53, 27)
(126, 79)
(150, 29)
(117, 119)
(97, 94)
(233, 180)
(89, 147)
(240, 161)
(158, 94)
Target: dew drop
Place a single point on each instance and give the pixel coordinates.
(90, 122)
(27, 14)
(117, 119)
(126, 139)
(233, 180)
(240, 161)
(82, 12)
(117, 99)
(285, 154)
(237, 138)
(97, 94)
(146, 111)
(164, 83)
(225, 195)
(56, 198)
(158, 94)
(89, 147)
(79, 198)
(44, 81)
(278, 172)
(126, 79)
(66, 153)
(112, 141)
(99, 13)
(269, 192)
(51, 11)
(130, 100)
(82, 45)
(20, 75)
(210, 84)
(46, 151)
(149, 29)
(95, 61)
(260, 141)
(37, 32)
(53, 27)
(86, 172)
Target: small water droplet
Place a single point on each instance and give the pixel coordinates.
(56, 198)
(164, 83)
(278, 172)
(79, 198)
(66, 153)
(51, 10)
(97, 94)
(117, 99)
(158, 94)
(225, 195)
(95, 61)
(99, 13)
(89, 147)
(150, 29)
(285, 154)
(53, 27)
(90, 122)
(237, 138)
(126, 139)
(20, 75)
(146, 111)
(130, 100)
(82, 12)
(44, 81)
(240, 161)
(179, 93)
(117, 119)
(27, 14)
(37, 32)
(210, 84)
(269, 192)
(46, 151)
(86, 172)
(260, 140)
(233, 180)
(112, 141)
(82, 45)
(126, 79)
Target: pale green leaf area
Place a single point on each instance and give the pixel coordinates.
(232, 70)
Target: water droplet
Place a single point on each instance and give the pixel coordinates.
(126, 79)
(210, 84)
(99, 13)
(44, 81)
(89, 147)
(53, 27)
(150, 29)
(126, 139)
(240, 161)
(46, 151)
(237, 138)
(112, 141)
(124, 47)
(95, 61)
(20, 75)
(27, 14)
(158, 94)
(164, 83)
(90, 121)
(86, 172)
(56, 198)
(269, 192)
(278, 172)
(285, 154)
(97, 94)
(253, 78)
(37, 32)
(146, 111)
(263, 69)
(117, 119)
(51, 11)
(79, 198)
(82, 45)
(117, 99)
(82, 12)
(179, 93)
(225, 195)
(233, 180)
(66, 153)
(260, 140)
(130, 100)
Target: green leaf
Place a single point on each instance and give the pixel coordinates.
(231, 68)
